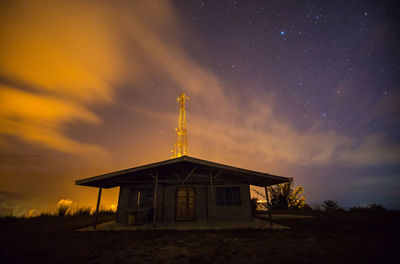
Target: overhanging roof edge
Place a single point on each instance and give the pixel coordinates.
(130, 170)
(107, 176)
(232, 168)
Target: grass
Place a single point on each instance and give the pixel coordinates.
(335, 237)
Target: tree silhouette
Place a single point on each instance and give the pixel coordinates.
(284, 196)
(330, 205)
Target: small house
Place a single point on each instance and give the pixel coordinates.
(182, 189)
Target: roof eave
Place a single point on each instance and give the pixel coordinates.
(101, 180)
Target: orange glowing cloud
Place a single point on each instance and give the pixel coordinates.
(40, 119)
(71, 54)
(57, 56)
(59, 48)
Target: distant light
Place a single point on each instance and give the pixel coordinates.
(365, 13)
(282, 33)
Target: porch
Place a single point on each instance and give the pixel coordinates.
(197, 225)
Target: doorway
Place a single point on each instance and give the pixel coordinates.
(185, 210)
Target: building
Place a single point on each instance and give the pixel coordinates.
(182, 189)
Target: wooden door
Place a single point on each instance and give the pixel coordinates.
(185, 210)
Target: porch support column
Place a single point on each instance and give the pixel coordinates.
(205, 187)
(155, 199)
(211, 195)
(97, 208)
(268, 206)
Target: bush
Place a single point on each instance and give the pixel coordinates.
(82, 211)
(104, 212)
(376, 207)
(317, 208)
(63, 207)
(368, 208)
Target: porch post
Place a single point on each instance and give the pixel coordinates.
(155, 200)
(211, 194)
(97, 208)
(205, 187)
(268, 206)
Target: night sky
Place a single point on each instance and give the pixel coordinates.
(302, 89)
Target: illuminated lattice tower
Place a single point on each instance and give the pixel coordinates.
(181, 145)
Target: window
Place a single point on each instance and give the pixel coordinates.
(228, 195)
(149, 201)
(135, 198)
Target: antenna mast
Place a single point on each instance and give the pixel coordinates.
(181, 146)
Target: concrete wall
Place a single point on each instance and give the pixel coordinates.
(166, 203)
(123, 203)
(240, 212)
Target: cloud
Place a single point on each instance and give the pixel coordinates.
(221, 128)
(59, 57)
(370, 150)
(59, 47)
(270, 137)
(65, 55)
(40, 119)
(56, 58)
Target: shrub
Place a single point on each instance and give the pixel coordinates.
(376, 207)
(63, 207)
(285, 197)
(83, 210)
(369, 207)
(106, 212)
(317, 208)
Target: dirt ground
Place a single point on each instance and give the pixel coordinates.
(341, 237)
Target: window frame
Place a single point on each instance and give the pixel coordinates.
(139, 195)
(230, 196)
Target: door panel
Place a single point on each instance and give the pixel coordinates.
(185, 204)
(181, 202)
(190, 197)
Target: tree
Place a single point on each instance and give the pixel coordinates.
(330, 205)
(284, 196)
(253, 204)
